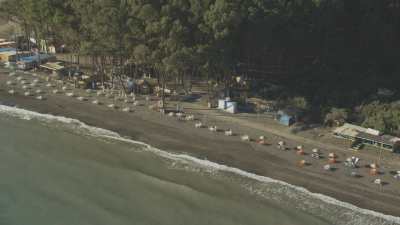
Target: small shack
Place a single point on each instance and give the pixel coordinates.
(227, 105)
(288, 116)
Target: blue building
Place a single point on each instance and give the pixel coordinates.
(288, 117)
(8, 49)
(29, 62)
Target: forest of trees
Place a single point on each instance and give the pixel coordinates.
(335, 54)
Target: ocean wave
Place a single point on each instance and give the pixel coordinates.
(100, 132)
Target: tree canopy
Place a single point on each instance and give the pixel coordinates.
(333, 53)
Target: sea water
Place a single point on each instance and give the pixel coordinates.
(55, 170)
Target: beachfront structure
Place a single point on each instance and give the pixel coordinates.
(5, 55)
(227, 105)
(7, 49)
(7, 44)
(54, 67)
(26, 63)
(368, 136)
(288, 116)
(285, 119)
(11, 56)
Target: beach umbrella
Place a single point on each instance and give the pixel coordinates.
(352, 162)
(228, 132)
(198, 125)
(127, 109)
(397, 175)
(190, 118)
(80, 98)
(100, 93)
(179, 115)
(300, 152)
(245, 137)
(261, 140)
(327, 167)
(332, 158)
(281, 145)
(111, 106)
(213, 128)
(127, 100)
(378, 181)
(302, 163)
(373, 172)
(315, 154)
(10, 82)
(354, 174)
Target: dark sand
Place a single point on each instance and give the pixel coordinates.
(169, 134)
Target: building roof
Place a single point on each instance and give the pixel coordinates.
(53, 66)
(7, 49)
(290, 111)
(8, 53)
(354, 131)
(35, 58)
(350, 130)
(384, 139)
(7, 43)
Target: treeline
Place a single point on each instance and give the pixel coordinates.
(333, 53)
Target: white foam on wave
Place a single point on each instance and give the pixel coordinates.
(100, 132)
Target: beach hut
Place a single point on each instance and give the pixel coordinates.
(287, 117)
(227, 105)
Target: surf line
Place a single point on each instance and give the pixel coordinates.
(100, 132)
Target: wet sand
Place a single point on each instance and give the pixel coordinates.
(169, 134)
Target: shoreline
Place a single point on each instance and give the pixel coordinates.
(100, 132)
(176, 137)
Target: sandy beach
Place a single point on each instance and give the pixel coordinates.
(169, 134)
